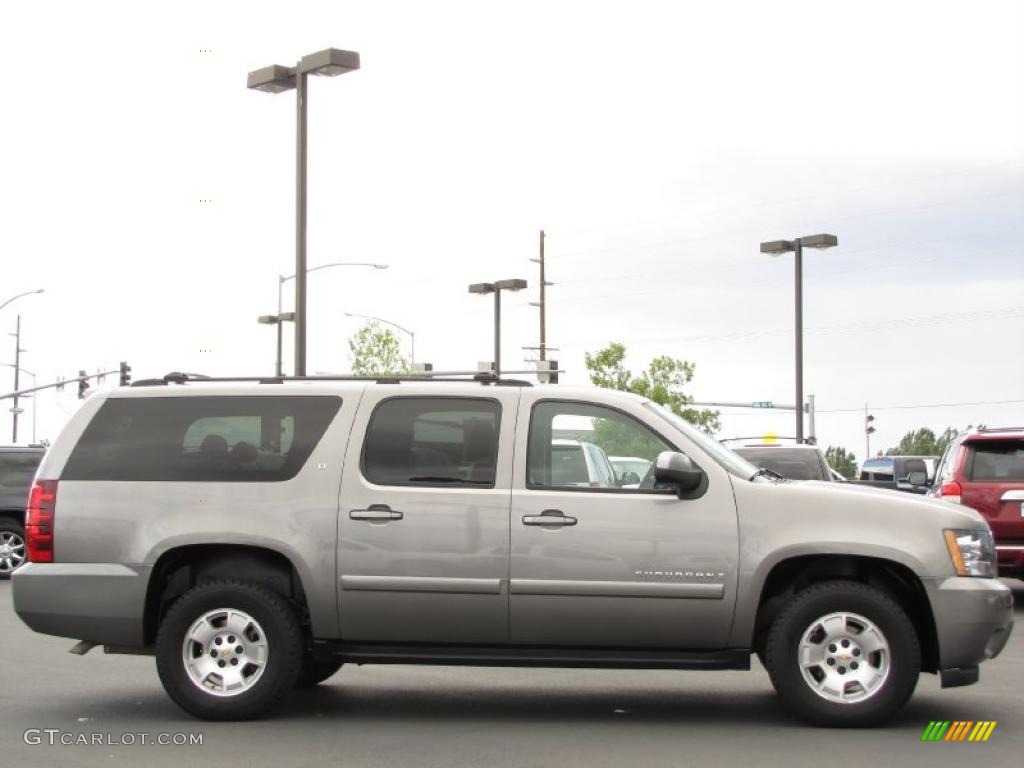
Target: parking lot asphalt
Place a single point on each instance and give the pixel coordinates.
(479, 717)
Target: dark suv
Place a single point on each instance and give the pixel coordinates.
(17, 468)
(984, 469)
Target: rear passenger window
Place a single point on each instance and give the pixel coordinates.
(433, 442)
(996, 461)
(214, 439)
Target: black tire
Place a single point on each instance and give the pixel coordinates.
(315, 672)
(817, 601)
(283, 637)
(12, 527)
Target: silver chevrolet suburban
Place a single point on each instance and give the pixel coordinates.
(255, 535)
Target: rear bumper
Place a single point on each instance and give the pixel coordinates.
(99, 602)
(973, 618)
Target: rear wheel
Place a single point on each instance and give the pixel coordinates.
(842, 653)
(229, 650)
(12, 547)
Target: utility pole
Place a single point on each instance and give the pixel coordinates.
(868, 429)
(543, 305)
(17, 370)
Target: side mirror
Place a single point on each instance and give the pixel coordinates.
(917, 472)
(677, 469)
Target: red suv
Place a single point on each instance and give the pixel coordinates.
(984, 469)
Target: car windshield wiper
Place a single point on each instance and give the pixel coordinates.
(769, 473)
(446, 479)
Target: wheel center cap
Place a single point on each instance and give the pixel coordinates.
(5, 551)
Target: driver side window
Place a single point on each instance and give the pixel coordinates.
(574, 446)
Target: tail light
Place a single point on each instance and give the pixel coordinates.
(42, 504)
(951, 492)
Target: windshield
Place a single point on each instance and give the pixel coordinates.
(791, 463)
(729, 461)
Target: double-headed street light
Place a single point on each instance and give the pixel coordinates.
(496, 288)
(777, 248)
(275, 79)
(412, 336)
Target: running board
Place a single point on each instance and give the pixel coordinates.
(527, 656)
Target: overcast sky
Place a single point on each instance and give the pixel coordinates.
(656, 143)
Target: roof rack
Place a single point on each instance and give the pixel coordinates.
(484, 377)
(986, 430)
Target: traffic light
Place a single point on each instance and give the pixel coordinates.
(126, 374)
(868, 426)
(553, 372)
(83, 385)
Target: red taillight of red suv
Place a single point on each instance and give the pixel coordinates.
(42, 504)
(951, 492)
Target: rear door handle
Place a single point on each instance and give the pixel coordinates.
(378, 512)
(549, 517)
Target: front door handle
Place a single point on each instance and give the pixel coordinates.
(377, 512)
(549, 517)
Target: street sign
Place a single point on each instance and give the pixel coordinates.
(762, 404)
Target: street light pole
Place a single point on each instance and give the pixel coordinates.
(496, 288)
(32, 396)
(300, 222)
(274, 79)
(282, 279)
(798, 252)
(26, 293)
(777, 248)
(17, 370)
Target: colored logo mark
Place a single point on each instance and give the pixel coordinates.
(958, 730)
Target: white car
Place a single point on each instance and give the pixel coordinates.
(578, 463)
(630, 470)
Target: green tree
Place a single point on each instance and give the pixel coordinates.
(376, 351)
(923, 442)
(662, 382)
(842, 461)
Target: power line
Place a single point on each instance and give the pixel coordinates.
(772, 280)
(928, 405)
(925, 320)
(724, 266)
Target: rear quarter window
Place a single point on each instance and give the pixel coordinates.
(196, 439)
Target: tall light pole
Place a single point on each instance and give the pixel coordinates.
(777, 248)
(275, 79)
(496, 288)
(281, 317)
(412, 336)
(26, 293)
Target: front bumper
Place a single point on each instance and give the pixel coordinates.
(1010, 558)
(99, 602)
(973, 619)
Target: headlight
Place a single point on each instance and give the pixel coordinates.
(973, 552)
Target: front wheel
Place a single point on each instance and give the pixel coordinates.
(228, 650)
(842, 653)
